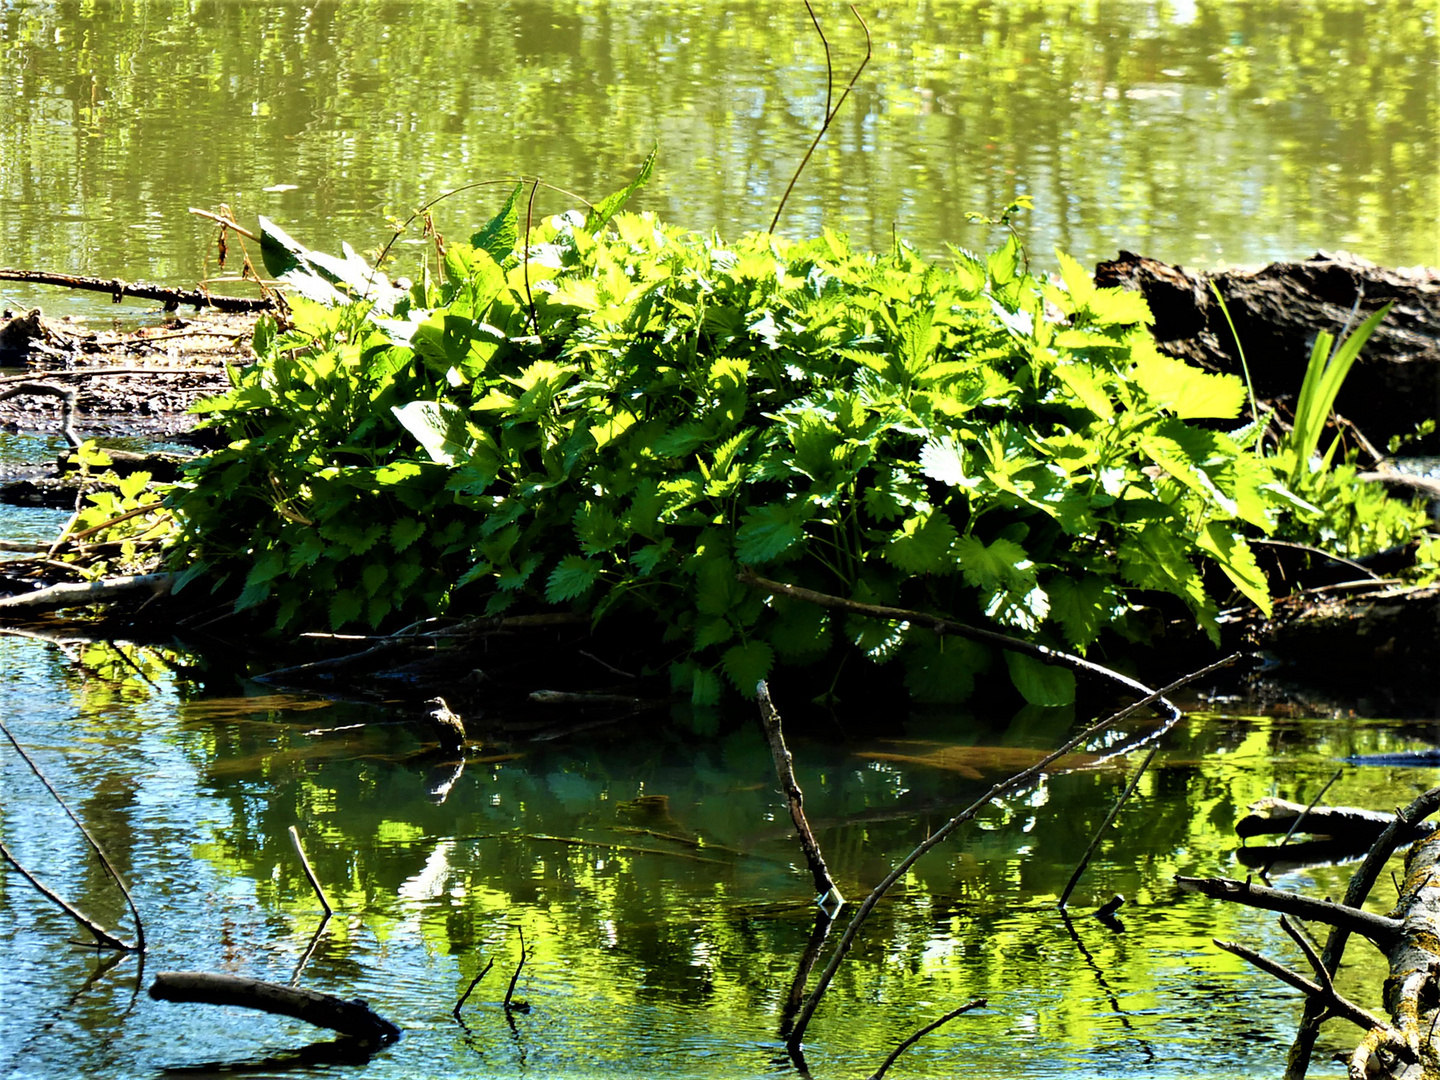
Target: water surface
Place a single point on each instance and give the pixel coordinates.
(654, 875)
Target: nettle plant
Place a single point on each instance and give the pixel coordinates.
(615, 416)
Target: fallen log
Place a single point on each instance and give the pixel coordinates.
(1277, 311)
(353, 1018)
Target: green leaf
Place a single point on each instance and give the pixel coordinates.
(1237, 560)
(770, 531)
(439, 427)
(1082, 607)
(745, 665)
(922, 545)
(942, 670)
(1039, 683)
(345, 607)
(943, 459)
(404, 532)
(609, 206)
(498, 235)
(573, 577)
(1187, 391)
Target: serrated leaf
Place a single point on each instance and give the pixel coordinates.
(404, 532)
(1234, 556)
(345, 608)
(1081, 607)
(942, 670)
(1186, 391)
(768, 532)
(609, 206)
(373, 576)
(573, 577)
(745, 665)
(922, 545)
(943, 459)
(498, 235)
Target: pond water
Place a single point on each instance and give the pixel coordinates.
(1191, 131)
(653, 874)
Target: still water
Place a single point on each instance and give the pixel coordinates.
(655, 877)
(1195, 132)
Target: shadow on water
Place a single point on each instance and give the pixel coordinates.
(654, 876)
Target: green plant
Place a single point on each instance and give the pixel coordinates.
(613, 418)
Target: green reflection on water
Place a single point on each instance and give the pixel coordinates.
(654, 876)
(1196, 132)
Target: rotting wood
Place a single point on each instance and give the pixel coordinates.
(353, 1018)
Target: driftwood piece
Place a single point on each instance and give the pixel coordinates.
(353, 1018)
(1278, 310)
(1343, 824)
(81, 594)
(118, 290)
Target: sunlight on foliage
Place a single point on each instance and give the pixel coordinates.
(619, 416)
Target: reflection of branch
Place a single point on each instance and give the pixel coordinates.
(823, 921)
(139, 945)
(957, 629)
(1019, 780)
(770, 721)
(830, 113)
(978, 1003)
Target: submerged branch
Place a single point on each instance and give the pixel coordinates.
(102, 936)
(352, 1018)
(118, 290)
(105, 862)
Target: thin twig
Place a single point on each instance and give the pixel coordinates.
(102, 936)
(139, 945)
(510, 990)
(1342, 1007)
(1361, 883)
(1100, 832)
(978, 1003)
(309, 950)
(309, 873)
(455, 1012)
(1019, 780)
(525, 251)
(775, 737)
(1294, 825)
(830, 113)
